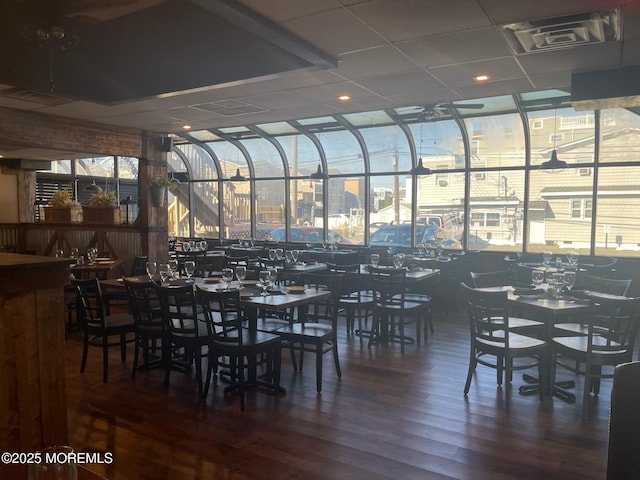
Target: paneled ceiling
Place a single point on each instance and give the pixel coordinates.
(161, 64)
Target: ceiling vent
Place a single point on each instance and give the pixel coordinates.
(563, 32)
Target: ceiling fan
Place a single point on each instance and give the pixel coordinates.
(439, 110)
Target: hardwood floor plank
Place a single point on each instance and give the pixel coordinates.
(390, 416)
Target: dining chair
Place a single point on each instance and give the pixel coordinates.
(98, 327)
(228, 337)
(493, 344)
(115, 296)
(356, 299)
(315, 328)
(392, 312)
(612, 328)
(610, 286)
(185, 329)
(147, 317)
(501, 278)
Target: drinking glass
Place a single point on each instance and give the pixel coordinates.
(375, 258)
(189, 269)
(55, 464)
(165, 272)
(537, 277)
(572, 258)
(241, 274)
(288, 256)
(265, 281)
(557, 279)
(295, 254)
(546, 258)
(204, 245)
(227, 276)
(151, 269)
(173, 265)
(279, 253)
(272, 254)
(569, 279)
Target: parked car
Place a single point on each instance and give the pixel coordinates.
(399, 235)
(307, 235)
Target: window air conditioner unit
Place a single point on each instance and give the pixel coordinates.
(443, 182)
(479, 176)
(584, 172)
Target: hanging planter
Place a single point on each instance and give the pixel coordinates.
(158, 187)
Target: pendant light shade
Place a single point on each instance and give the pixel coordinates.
(319, 174)
(238, 177)
(420, 169)
(93, 187)
(553, 162)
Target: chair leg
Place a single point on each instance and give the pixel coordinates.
(319, 367)
(85, 351)
(136, 352)
(301, 356)
(123, 346)
(276, 355)
(472, 367)
(105, 358)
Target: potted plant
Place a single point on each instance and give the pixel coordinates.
(61, 208)
(102, 208)
(158, 187)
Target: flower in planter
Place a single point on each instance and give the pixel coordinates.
(62, 199)
(103, 199)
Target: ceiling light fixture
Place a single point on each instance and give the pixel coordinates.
(319, 174)
(93, 187)
(344, 98)
(238, 177)
(420, 169)
(554, 163)
(481, 77)
(186, 127)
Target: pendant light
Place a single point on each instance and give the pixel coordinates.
(319, 174)
(93, 187)
(554, 163)
(420, 169)
(238, 177)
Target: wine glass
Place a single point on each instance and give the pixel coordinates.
(537, 277)
(204, 245)
(324, 244)
(165, 272)
(151, 269)
(288, 257)
(569, 279)
(272, 254)
(439, 248)
(189, 269)
(398, 260)
(227, 276)
(572, 258)
(279, 253)
(186, 247)
(546, 258)
(265, 281)
(295, 254)
(375, 258)
(241, 274)
(273, 276)
(173, 265)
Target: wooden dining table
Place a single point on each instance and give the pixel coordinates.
(100, 267)
(549, 310)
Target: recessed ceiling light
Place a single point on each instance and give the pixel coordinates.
(186, 127)
(344, 98)
(481, 77)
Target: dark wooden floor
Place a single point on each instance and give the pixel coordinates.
(391, 416)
